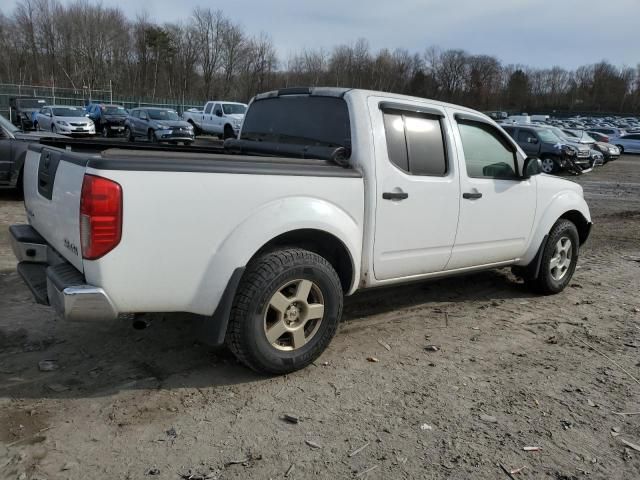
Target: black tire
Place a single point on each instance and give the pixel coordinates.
(546, 283)
(228, 132)
(152, 137)
(105, 131)
(20, 183)
(621, 148)
(129, 134)
(196, 129)
(53, 129)
(264, 277)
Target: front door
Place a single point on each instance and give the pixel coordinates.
(529, 142)
(417, 189)
(498, 206)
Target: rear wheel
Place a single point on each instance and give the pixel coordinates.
(559, 259)
(285, 312)
(228, 132)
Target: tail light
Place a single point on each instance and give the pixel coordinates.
(100, 216)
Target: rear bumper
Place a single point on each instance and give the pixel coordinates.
(54, 281)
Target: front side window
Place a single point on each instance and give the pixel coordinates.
(486, 153)
(415, 143)
(217, 110)
(525, 135)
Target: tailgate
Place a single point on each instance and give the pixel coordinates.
(52, 186)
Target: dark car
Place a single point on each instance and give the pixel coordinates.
(22, 110)
(553, 150)
(609, 152)
(158, 125)
(13, 149)
(109, 119)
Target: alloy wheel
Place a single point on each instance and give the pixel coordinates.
(294, 315)
(547, 165)
(561, 259)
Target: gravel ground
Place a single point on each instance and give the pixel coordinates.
(511, 370)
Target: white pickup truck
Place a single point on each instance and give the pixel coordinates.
(223, 119)
(326, 192)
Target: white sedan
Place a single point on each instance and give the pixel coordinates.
(64, 119)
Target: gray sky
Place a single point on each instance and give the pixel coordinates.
(541, 33)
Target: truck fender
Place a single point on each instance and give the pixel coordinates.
(564, 204)
(265, 224)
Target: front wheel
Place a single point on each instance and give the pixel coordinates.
(549, 165)
(105, 131)
(559, 259)
(621, 148)
(129, 134)
(285, 312)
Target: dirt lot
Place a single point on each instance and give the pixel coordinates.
(512, 370)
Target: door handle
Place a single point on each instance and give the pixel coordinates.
(472, 196)
(395, 195)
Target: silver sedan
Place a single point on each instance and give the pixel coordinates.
(64, 119)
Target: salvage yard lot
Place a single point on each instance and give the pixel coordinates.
(509, 370)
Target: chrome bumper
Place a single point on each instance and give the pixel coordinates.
(54, 281)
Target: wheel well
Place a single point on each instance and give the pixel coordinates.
(580, 222)
(322, 243)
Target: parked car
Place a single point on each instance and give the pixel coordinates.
(158, 125)
(628, 143)
(553, 150)
(13, 150)
(609, 131)
(220, 118)
(266, 245)
(608, 151)
(109, 119)
(64, 119)
(22, 110)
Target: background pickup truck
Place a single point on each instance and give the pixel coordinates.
(326, 191)
(223, 119)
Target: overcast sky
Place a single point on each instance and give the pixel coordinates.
(532, 32)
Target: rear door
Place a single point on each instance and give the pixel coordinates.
(418, 192)
(498, 206)
(5, 154)
(206, 117)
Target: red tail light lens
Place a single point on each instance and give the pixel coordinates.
(100, 216)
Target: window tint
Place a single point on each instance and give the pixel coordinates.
(509, 130)
(208, 107)
(486, 153)
(415, 143)
(525, 135)
(299, 120)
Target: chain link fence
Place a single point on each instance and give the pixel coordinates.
(83, 96)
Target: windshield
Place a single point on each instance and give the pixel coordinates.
(7, 125)
(163, 115)
(583, 137)
(30, 103)
(299, 120)
(114, 111)
(560, 134)
(232, 108)
(548, 136)
(68, 112)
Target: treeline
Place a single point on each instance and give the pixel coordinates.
(209, 55)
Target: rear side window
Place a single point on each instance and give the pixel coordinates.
(415, 143)
(207, 109)
(300, 120)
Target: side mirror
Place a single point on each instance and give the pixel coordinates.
(532, 166)
(219, 113)
(532, 140)
(49, 114)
